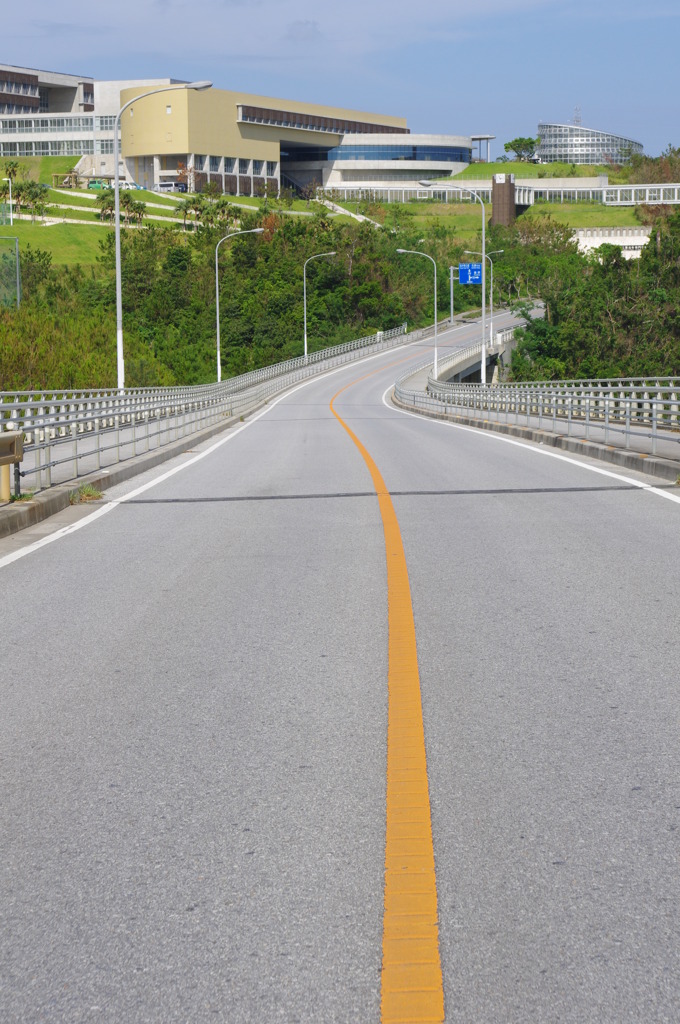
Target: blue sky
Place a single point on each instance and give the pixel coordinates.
(483, 66)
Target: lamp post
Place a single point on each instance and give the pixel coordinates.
(116, 184)
(451, 270)
(475, 195)
(414, 252)
(304, 288)
(488, 255)
(11, 217)
(251, 231)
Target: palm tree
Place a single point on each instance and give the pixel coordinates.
(107, 202)
(137, 211)
(34, 194)
(11, 169)
(185, 208)
(198, 205)
(19, 190)
(127, 203)
(226, 213)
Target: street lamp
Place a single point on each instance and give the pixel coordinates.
(451, 270)
(488, 255)
(475, 195)
(251, 231)
(413, 252)
(11, 218)
(116, 184)
(304, 288)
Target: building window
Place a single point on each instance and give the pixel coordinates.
(257, 167)
(271, 168)
(229, 164)
(243, 166)
(214, 164)
(168, 108)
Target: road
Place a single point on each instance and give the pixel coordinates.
(196, 687)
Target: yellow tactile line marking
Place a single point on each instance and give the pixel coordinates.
(412, 985)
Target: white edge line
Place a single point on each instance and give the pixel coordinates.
(229, 436)
(493, 435)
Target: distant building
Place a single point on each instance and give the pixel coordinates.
(242, 142)
(574, 144)
(47, 113)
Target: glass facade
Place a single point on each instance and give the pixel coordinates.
(311, 122)
(376, 152)
(573, 144)
(61, 124)
(81, 135)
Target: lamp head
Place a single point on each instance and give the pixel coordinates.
(198, 86)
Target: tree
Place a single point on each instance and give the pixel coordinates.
(35, 196)
(523, 148)
(212, 189)
(106, 201)
(11, 169)
(185, 208)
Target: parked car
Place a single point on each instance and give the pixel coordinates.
(130, 184)
(181, 186)
(164, 186)
(96, 183)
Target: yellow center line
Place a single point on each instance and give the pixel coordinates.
(412, 985)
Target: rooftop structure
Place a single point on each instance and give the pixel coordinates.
(574, 144)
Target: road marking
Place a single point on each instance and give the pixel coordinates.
(494, 436)
(109, 506)
(412, 984)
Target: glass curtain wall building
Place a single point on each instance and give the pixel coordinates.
(573, 144)
(391, 158)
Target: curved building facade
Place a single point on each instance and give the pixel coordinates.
(574, 144)
(388, 158)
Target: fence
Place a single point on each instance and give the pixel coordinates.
(70, 433)
(631, 412)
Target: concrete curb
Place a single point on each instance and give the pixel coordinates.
(19, 515)
(663, 469)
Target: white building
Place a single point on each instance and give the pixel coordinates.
(574, 144)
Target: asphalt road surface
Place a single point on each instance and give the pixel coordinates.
(194, 727)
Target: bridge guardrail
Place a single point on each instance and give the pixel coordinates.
(623, 411)
(104, 427)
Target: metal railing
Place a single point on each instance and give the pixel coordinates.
(628, 412)
(68, 433)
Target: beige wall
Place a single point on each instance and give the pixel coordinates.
(205, 122)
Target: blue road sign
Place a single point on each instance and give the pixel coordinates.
(470, 273)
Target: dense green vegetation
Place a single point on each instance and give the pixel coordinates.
(604, 315)
(64, 332)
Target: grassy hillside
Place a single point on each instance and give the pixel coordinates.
(484, 172)
(68, 244)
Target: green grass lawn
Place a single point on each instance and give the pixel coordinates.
(71, 197)
(59, 213)
(68, 243)
(586, 215)
(41, 168)
(484, 172)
